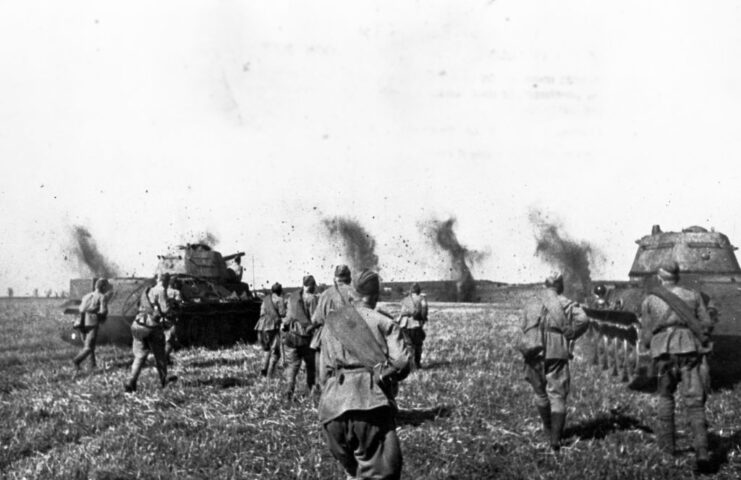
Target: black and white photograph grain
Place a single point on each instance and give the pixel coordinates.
(332, 240)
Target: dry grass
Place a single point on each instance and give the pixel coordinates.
(468, 415)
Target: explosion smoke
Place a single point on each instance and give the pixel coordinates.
(358, 245)
(561, 252)
(443, 236)
(88, 256)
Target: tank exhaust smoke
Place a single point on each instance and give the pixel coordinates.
(557, 249)
(359, 247)
(442, 235)
(91, 261)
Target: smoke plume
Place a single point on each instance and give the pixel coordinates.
(203, 237)
(443, 237)
(85, 250)
(357, 244)
(563, 253)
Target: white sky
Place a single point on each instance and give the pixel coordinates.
(147, 122)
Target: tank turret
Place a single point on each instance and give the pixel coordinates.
(217, 308)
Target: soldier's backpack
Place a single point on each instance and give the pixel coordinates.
(531, 341)
(417, 309)
(299, 329)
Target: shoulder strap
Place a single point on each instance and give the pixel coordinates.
(680, 308)
(554, 308)
(270, 307)
(300, 309)
(350, 329)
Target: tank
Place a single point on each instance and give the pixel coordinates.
(708, 264)
(217, 310)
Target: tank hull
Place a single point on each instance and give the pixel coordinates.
(210, 324)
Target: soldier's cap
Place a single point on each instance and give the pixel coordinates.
(277, 288)
(415, 288)
(309, 281)
(554, 278)
(342, 272)
(668, 271)
(101, 283)
(367, 283)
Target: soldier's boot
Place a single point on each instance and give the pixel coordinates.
(545, 416)
(558, 420)
(130, 387)
(699, 427)
(665, 425)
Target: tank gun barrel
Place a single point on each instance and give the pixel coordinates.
(233, 256)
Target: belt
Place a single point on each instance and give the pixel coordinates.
(667, 327)
(554, 330)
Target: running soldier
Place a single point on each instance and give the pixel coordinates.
(272, 311)
(675, 328)
(551, 322)
(363, 357)
(297, 335)
(412, 320)
(330, 300)
(148, 334)
(93, 312)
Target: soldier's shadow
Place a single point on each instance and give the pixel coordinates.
(220, 382)
(604, 424)
(720, 446)
(213, 362)
(436, 364)
(418, 416)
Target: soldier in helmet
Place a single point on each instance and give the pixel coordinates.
(550, 322)
(297, 334)
(412, 320)
(675, 328)
(93, 312)
(148, 334)
(272, 311)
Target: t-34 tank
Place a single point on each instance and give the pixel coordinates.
(708, 264)
(217, 308)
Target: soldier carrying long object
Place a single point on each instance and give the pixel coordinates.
(675, 328)
(550, 323)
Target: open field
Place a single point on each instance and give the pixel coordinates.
(467, 415)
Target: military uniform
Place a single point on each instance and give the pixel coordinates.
(678, 356)
(297, 339)
(559, 321)
(412, 320)
(147, 331)
(94, 309)
(357, 408)
(272, 311)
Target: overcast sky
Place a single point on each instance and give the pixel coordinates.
(150, 123)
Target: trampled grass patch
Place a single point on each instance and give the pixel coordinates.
(467, 415)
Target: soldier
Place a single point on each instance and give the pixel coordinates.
(412, 319)
(148, 334)
(174, 299)
(93, 312)
(675, 328)
(550, 323)
(297, 337)
(272, 311)
(331, 299)
(363, 357)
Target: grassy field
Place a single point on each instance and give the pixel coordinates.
(467, 415)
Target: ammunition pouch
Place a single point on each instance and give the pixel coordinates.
(297, 335)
